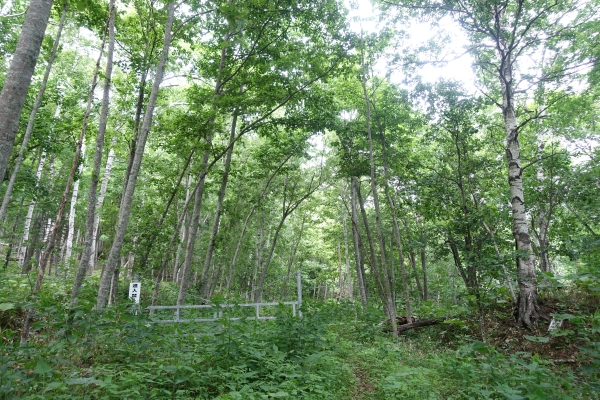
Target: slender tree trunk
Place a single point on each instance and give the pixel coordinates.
(33, 244)
(292, 257)
(215, 227)
(349, 288)
(396, 228)
(36, 106)
(340, 276)
(287, 210)
(103, 187)
(373, 255)
(413, 263)
(19, 77)
(356, 241)
(389, 298)
(244, 227)
(29, 216)
(90, 217)
(125, 212)
(71, 224)
(186, 269)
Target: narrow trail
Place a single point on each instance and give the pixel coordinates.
(365, 387)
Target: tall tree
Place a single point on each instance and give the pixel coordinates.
(502, 35)
(125, 209)
(19, 76)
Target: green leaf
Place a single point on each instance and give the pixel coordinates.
(279, 394)
(82, 381)
(560, 317)
(6, 306)
(538, 339)
(480, 347)
(42, 368)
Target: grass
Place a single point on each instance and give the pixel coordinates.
(337, 351)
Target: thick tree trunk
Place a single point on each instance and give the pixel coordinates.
(91, 214)
(527, 308)
(36, 106)
(19, 76)
(125, 210)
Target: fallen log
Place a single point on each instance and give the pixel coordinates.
(418, 324)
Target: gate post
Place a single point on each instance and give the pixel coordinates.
(299, 290)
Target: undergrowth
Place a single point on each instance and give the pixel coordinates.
(337, 351)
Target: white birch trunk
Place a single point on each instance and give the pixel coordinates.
(71, 231)
(29, 216)
(107, 169)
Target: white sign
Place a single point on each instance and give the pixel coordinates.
(135, 291)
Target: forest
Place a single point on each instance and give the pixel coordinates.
(319, 199)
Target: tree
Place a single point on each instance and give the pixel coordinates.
(502, 34)
(19, 76)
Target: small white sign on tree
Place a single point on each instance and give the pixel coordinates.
(134, 291)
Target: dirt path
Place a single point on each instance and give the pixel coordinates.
(364, 388)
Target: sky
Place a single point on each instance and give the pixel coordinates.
(364, 16)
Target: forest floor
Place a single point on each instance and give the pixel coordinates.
(338, 351)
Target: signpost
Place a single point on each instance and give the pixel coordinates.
(135, 290)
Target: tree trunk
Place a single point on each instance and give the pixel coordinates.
(373, 254)
(71, 224)
(103, 187)
(356, 242)
(347, 255)
(19, 77)
(292, 256)
(90, 217)
(386, 281)
(252, 210)
(392, 206)
(215, 227)
(125, 210)
(527, 307)
(29, 216)
(36, 106)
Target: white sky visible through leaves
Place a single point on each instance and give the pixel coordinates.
(459, 67)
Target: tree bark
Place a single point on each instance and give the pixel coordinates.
(527, 307)
(19, 76)
(125, 210)
(347, 255)
(103, 187)
(36, 106)
(90, 217)
(29, 216)
(389, 298)
(221, 196)
(356, 241)
(71, 224)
